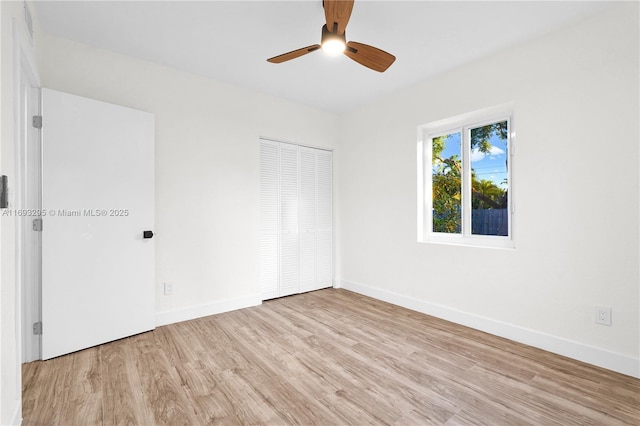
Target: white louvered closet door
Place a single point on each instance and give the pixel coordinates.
(295, 219)
(324, 215)
(307, 219)
(269, 218)
(288, 219)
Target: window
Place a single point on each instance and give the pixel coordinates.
(465, 188)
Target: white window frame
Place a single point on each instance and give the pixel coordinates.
(463, 124)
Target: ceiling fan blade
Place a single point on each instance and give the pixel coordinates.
(337, 12)
(293, 54)
(369, 56)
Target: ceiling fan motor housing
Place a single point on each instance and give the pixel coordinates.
(330, 36)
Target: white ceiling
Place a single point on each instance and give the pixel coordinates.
(231, 40)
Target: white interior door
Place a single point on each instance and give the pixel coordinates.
(98, 196)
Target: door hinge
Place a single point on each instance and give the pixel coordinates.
(37, 327)
(37, 121)
(37, 225)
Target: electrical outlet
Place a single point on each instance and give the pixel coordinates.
(603, 315)
(168, 289)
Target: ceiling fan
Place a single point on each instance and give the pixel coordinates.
(333, 41)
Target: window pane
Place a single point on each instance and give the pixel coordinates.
(446, 181)
(489, 180)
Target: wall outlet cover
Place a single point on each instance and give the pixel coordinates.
(168, 289)
(603, 315)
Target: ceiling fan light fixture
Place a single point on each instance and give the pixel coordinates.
(334, 40)
(333, 43)
(333, 47)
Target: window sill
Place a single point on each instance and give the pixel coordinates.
(490, 242)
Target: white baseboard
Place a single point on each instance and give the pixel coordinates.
(197, 311)
(592, 355)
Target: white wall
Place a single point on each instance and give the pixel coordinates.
(576, 193)
(206, 167)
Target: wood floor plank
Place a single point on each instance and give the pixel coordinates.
(85, 384)
(178, 343)
(122, 401)
(248, 405)
(160, 386)
(348, 412)
(42, 395)
(412, 382)
(329, 357)
(198, 378)
(421, 416)
(202, 386)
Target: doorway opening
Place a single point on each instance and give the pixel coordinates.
(28, 194)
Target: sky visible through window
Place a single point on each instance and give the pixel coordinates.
(487, 166)
(492, 165)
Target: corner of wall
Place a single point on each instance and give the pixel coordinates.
(197, 311)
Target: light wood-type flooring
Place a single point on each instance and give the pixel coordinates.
(329, 357)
